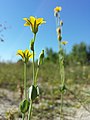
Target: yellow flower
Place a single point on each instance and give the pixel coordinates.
(57, 9)
(34, 23)
(64, 42)
(26, 55)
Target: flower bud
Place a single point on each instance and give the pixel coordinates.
(40, 61)
(58, 31)
(61, 23)
(56, 14)
(59, 37)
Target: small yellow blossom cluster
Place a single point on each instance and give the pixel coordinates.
(57, 10)
(59, 24)
(64, 42)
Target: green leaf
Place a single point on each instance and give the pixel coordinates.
(63, 89)
(24, 106)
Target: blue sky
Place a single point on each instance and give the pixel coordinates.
(75, 15)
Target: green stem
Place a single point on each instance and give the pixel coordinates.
(34, 62)
(61, 68)
(23, 116)
(61, 107)
(33, 68)
(25, 82)
(59, 44)
(36, 76)
(62, 76)
(30, 110)
(25, 86)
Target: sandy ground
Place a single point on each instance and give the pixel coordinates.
(8, 100)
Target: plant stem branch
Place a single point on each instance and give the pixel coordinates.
(30, 110)
(61, 107)
(23, 116)
(34, 62)
(36, 76)
(25, 82)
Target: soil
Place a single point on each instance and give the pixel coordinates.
(9, 101)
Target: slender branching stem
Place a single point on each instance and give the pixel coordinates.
(36, 76)
(33, 68)
(23, 116)
(30, 108)
(61, 77)
(25, 81)
(61, 67)
(25, 86)
(61, 107)
(33, 61)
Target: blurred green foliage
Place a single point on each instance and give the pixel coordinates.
(80, 54)
(76, 69)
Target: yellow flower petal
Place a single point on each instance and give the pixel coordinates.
(64, 42)
(57, 9)
(28, 54)
(20, 52)
(27, 22)
(39, 21)
(25, 19)
(32, 20)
